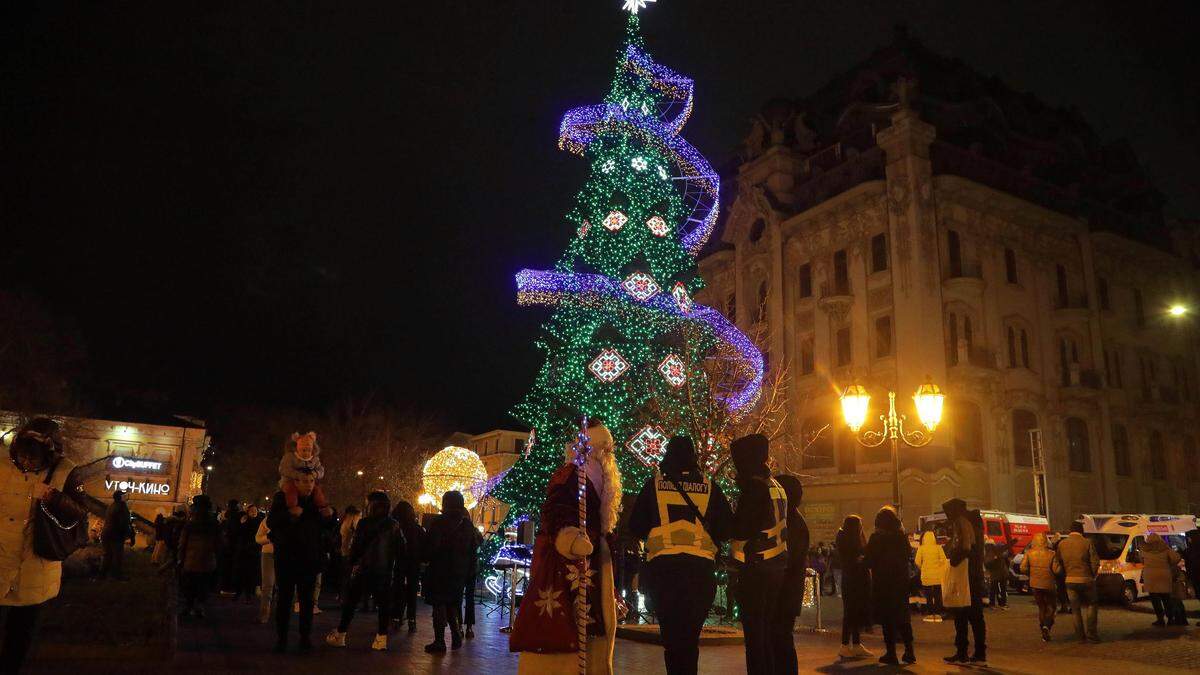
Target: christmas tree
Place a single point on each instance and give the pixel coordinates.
(625, 339)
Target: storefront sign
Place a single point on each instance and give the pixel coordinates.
(128, 464)
(138, 487)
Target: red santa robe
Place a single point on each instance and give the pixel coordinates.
(544, 630)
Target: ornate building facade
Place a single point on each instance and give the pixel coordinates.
(912, 220)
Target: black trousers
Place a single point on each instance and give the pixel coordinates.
(289, 583)
(195, 587)
(19, 629)
(997, 593)
(683, 587)
(783, 642)
(358, 586)
(758, 596)
(444, 615)
(114, 559)
(897, 625)
(469, 601)
(973, 617)
(405, 589)
(933, 599)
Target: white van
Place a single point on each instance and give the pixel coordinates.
(1119, 539)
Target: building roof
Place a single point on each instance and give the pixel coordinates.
(986, 131)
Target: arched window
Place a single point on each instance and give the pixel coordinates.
(1079, 454)
(1012, 348)
(1024, 348)
(1023, 422)
(967, 424)
(1158, 456)
(968, 334)
(819, 451)
(1121, 459)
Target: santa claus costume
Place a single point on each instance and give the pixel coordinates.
(545, 631)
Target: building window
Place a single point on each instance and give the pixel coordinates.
(816, 434)
(1102, 292)
(968, 431)
(879, 253)
(1068, 359)
(1023, 422)
(954, 252)
(1064, 293)
(806, 356)
(841, 274)
(806, 280)
(762, 301)
(843, 346)
(1079, 455)
(968, 334)
(1012, 348)
(1139, 310)
(1123, 463)
(883, 337)
(952, 339)
(518, 446)
(1190, 466)
(1024, 348)
(1010, 265)
(1158, 456)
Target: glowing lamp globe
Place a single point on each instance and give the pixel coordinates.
(929, 400)
(855, 403)
(453, 468)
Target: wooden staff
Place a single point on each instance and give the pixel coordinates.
(583, 448)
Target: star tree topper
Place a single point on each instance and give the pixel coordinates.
(632, 6)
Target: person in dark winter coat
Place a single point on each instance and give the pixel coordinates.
(998, 563)
(247, 569)
(378, 545)
(966, 547)
(887, 556)
(447, 550)
(681, 549)
(199, 548)
(1191, 561)
(117, 528)
(850, 548)
(299, 557)
(230, 524)
(759, 547)
(408, 569)
(469, 589)
(792, 596)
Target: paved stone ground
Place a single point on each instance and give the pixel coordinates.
(231, 640)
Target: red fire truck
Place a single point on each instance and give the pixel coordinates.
(1013, 530)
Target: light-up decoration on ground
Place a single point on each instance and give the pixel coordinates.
(608, 366)
(649, 444)
(454, 468)
(658, 226)
(641, 286)
(537, 287)
(673, 370)
(615, 220)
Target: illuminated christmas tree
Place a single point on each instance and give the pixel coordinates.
(625, 330)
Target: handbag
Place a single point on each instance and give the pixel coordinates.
(54, 539)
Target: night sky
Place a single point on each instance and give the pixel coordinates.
(287, 203)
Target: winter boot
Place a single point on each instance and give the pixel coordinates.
(909, 655)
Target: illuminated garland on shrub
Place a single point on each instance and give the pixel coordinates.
(646, 209)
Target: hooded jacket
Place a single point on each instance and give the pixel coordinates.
(1161, 562)
(679, 462)
(1041, 564)
(931, 560)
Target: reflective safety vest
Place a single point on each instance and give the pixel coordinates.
(770, 542)
(679, 531)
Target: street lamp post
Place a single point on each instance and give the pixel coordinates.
(928, 399)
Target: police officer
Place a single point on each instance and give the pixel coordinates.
(759, 548)
(681, 549)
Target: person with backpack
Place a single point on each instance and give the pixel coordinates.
(683, 516)
(378, 545)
